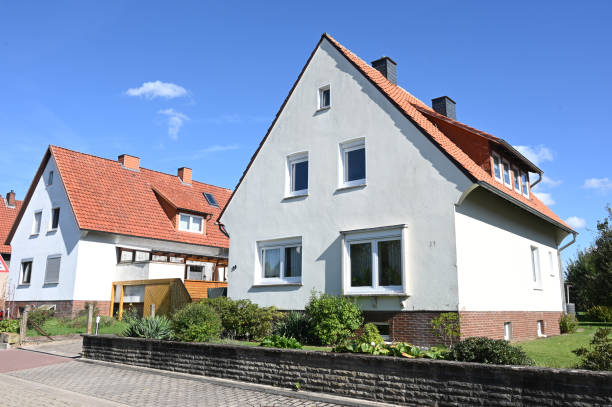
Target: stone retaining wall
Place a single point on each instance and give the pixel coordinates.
(394, 380)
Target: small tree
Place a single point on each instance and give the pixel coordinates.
(446, 327)
(599, 355)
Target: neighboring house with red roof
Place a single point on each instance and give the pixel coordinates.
(87, 222)
(360, 189)
(9, 206)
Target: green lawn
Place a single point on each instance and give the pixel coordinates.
(55, 327)
(556, 351)
(247, 343)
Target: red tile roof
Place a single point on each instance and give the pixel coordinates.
(7, 218)
(109, 198)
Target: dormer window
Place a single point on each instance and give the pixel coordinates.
(516, 177)
(525, 180)
(191, 223)
(507, 180)
(497, 171)
(324, 98)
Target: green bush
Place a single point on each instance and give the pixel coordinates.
(278, 341)
(599, 355)
(599, 313)
(371, 335)
(568, 324)
(156, 327)
(295, 325)
(446, 327)
(400, 349)
(334, 319)
(39, 316)
(196, 322)
(491, 351)
(242, 319)
(9, 325)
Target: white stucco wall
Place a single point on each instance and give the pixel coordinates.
(64, 241)
(409, 181)
(494, 240)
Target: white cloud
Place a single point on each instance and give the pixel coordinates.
(175, 121)
(602, 184)
(152, 90)
(545, 197)
(537, 154)
(549, 182)
(575, 222)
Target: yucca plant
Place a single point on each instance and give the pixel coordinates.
(157, 327)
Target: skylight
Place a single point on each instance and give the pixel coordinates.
(211, 199)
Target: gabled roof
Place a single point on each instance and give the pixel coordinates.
(8, 214)
(109, 198)
(416, 111)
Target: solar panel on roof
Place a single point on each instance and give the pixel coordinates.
(211, 199)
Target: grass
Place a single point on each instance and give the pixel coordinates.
(55, 326)
(248, 343)
(556, 351)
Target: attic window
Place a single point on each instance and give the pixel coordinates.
(50, 178)
(324, 97)
(211, 199)
(191, 223)
(497, 171)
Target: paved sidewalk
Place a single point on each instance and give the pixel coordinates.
(70, 348)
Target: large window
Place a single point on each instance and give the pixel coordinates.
(36, 222)
(191, 223)
(280, 262)
(353, 160)
(55, 214)
(53, 270)
(535, 268)
(26, 272)
(297, 166)
(374, 262)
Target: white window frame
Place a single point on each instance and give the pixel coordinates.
(373, 236)
(516, 175)
(540, 328)
(525, 186)
(536, 268)
(280, 244)
(31, 261)
(345, 148)
(292, 160)
(508, 331)
(35, 230)
(59, 212)
(53, 256)
(191, 217)
(506, 165)
(501, 169)
(322, 89)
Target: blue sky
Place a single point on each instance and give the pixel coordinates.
(72, 73)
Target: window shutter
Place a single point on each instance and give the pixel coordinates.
(53, 270)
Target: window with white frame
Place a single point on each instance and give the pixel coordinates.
(507, 180)
(50, 178)
(324, 97)
(525, 182)
(297, 170)
(540, 328)
(373, 261)
(508, 331)
(191, 223)
(280, 262)
(53, 269)
(535, 267)
(36, 222)
(516, 177)
(497, 171)
(26, 272)
(55, 214)
(353, 162)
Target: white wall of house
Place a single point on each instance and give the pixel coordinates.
(409, 181)
(494, 241)
(63, 242)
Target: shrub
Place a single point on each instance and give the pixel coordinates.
(130, 314)
(196, 322)
(334, 319)
(278, 341)
(39, 316)
(400, 349)
(491, 351)
(156, 327)
(599, 355)
(599, 313)
(295, 325)
(242, 319)
(9, 325)
(371, 335)
(446, 327)
(567, 324)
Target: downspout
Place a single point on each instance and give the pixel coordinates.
(561, 279)
(537, 182)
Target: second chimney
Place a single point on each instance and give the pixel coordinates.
(184, 174)
(10, 198)
(129, 161)
(445, 106)
(387, 67)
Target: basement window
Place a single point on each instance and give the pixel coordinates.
(508, 331)
(541, 328)
(383, 330)
(191, 223)
(324, 98)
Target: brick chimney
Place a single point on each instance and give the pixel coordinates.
(129, 161)
(445, 106)
(184, 174)
(386, 66)
(10, 198)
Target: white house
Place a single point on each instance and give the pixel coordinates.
(87, 222)
(360, 189)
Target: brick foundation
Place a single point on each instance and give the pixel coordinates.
(524, 323)
(66, 308)
(408, 326)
